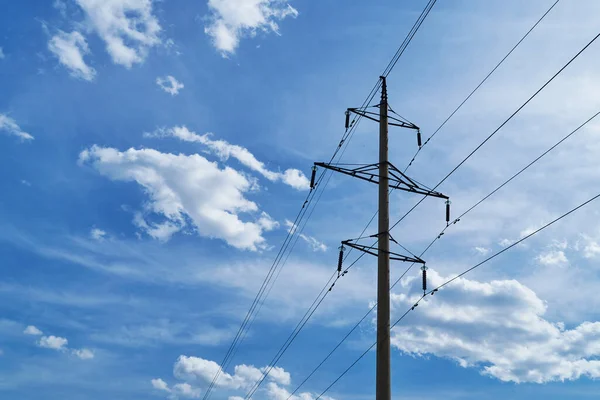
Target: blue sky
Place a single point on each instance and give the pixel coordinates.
(154, 152)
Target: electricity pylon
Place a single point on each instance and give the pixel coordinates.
(387, 176)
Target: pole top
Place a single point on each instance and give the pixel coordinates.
(383, 90)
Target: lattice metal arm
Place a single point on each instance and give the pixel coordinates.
(397, 179)
(391, 120)
(373, 252)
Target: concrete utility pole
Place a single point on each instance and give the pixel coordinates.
(384, 386)
(387, 176)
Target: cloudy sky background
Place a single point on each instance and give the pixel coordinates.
(155, 154)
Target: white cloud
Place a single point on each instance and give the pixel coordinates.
(57, 343)
(181, 186)
(9, 126)
(315, 244)
(192, 369)
(169, 84)
(178, 390)
(97, 234)
(1, 53)
(32, 330)
(186, 390)
(553, 258)
(276, 392)
(244, 377)
(84, 354)
(70, 48)
(225, 150)
(61, 6)
(159, 384)
(279, 375)
(231, 20)
(591, 249)
(482, 250)
(505, 242)
(128, 27)
(497, 327)
(53, 342)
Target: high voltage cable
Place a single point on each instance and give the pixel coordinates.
(463, 103)
(494, 132)
(439, 236)
(502, 125)
(481, 83)
(412, 308)
(259, 297)
(409, 37)
(345, 139)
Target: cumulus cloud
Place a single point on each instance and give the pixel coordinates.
(70, 48)
(169, 84)
(497, 327)
(159, 384)
(183, 188)
(244, 377)
(553, 258)
(186, 390)
(178, 390)
(225, 150)
(57, 343)
(10, 127)
(315, 244)
(482, 250)
(97, 234)
(128, 27)
(196, 369)
(53, 342)
(84, 354)
(231, 20)
(32, 330)
(591, 248)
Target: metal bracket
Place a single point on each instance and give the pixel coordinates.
(372, 251)
(397, 179)
(372, 116)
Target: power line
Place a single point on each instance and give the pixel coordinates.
(346, 138)
(463, 103)
(408, 38)
(481, 83)
(497, 129)
(412, 308)
(259, 299)
(439, 236)
(502, 125)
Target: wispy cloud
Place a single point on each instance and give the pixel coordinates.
(315, 244)
(32, 330)
(70, 48)
(169, 84)
(97, 234)
(10, 127)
